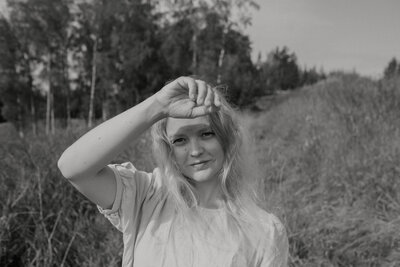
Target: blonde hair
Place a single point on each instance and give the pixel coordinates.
(238, 177)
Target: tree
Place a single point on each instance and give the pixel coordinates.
(234, 15)
(95, 19)
(238, 71)
(18, 93)
(41, 28)
(310, 76)
(194, 13)
(280, 71)
(2, 119)
(227, 14)
(392, 69)
(176, 47)
(9, 89)
(126, 64)
(223, 54)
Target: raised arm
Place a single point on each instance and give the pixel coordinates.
(84, 163)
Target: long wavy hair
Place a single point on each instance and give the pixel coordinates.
(238, 177)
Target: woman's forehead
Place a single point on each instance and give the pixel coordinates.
(176, 126)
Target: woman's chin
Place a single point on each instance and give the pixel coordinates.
(202, 177)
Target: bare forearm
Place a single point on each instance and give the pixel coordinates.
(93, 151)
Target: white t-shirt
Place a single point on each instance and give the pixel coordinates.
(154, 236)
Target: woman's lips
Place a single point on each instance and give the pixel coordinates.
(200, 164)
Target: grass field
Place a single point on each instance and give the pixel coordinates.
(330, 155)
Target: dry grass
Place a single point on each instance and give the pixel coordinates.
(44, 221)
(331, 154)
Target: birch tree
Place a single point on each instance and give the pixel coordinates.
(41, 26)
(232, 15)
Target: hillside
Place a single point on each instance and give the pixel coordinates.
(331, 154)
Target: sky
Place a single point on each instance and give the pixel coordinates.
(349, 35)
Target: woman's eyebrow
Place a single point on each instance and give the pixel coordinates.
(190, 128)
(174, 136)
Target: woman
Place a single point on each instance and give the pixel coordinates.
(197, 208)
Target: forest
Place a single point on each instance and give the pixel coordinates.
(68, 59)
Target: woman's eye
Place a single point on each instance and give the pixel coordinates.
(178, 141)
(208, 134)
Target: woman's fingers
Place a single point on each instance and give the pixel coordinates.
(202, 92)
(192, 86)
(207, 101)
(209, 97)
(203, 110)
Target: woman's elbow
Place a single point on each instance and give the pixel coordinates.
(73, 167)
(65, 167)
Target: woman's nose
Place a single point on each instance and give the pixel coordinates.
(196, 149)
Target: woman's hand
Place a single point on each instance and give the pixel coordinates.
(186, 97)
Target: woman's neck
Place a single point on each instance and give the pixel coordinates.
(209, 194)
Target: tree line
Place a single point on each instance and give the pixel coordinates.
(87, 59)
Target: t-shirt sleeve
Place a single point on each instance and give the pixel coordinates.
(277, 252)
(134, 188)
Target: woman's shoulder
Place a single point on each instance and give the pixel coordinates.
(272, 240)
(130, 174)
(271, 223)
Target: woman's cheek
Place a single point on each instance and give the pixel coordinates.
(180, 155)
